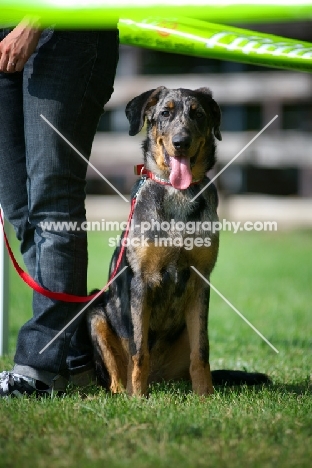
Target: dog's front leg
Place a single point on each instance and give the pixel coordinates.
(139, 353)
(197, 327)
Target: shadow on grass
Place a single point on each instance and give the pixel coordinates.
(183, 389)
(301, 388)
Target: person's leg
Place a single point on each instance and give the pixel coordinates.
(13, 193)
(13, 175)
(68, 80)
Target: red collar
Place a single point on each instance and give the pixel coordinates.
(139, 169)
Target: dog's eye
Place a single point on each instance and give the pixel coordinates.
(199, 114)
(165, 113)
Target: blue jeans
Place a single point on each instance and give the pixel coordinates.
(68, 79)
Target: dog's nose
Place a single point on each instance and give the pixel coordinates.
(181, 141)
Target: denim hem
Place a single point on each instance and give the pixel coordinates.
(58, 382)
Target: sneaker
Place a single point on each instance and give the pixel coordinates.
(16, 385)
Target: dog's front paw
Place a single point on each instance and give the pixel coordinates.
(201, 379)
(139, 376)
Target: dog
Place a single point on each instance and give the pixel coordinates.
(152, 323)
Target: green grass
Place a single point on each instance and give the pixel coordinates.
(268, 278)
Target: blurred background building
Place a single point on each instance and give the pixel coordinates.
(271, 179)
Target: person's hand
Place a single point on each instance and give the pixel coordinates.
(18, 45)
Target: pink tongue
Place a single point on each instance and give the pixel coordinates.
(180, 176)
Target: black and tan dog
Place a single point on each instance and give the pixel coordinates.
(152, 323)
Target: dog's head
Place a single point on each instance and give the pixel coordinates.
(181, 126)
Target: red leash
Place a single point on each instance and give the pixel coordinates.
(57, 296)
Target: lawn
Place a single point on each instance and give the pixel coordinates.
(268, 278)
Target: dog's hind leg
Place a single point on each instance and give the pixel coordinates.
(197, 327)
(110, 350)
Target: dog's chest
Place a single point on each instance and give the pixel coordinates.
(170, 233)
(160, 210)
(166, 302)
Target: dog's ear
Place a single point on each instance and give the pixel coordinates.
(215, 110)
(216, 115)
(137, 108)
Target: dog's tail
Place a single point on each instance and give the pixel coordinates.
(235, 377)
